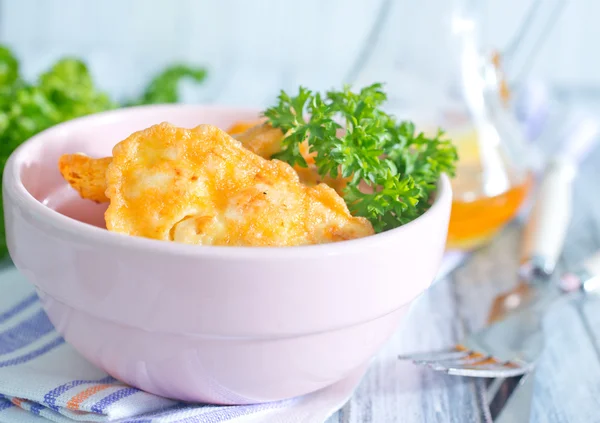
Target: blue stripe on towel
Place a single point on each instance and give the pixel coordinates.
(36, 408)
(4, 404)
(32, 299)
(33, 354)
(25, 333)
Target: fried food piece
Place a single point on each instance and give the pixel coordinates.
(201, 186)
(309, 176)
(243, 125)
(86, 175)
(261, 139)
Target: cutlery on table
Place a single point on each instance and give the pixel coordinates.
(513, 402)
(543, 236)
(511, 346)
(549, 217)
(509, 400)
(505, 400)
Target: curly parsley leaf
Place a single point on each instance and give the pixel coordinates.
(393, 169)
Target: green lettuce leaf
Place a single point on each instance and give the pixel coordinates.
(66, 91)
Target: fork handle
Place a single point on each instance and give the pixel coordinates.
(548, 222)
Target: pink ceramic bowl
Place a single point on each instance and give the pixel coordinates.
(224, 325)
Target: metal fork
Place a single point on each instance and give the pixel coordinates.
(504, 349)
(511, 347)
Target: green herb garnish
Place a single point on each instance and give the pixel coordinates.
(64, 92)
(398, 166)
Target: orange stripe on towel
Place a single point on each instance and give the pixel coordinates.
(76, 401)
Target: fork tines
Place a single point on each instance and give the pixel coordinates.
(461, 361)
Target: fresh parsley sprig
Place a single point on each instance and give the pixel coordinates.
(393, 170)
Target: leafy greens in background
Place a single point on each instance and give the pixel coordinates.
(64, 92)
(163, 88)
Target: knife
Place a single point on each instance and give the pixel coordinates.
(543, 236)
(546, 226)
(514, 404)
(511, 398)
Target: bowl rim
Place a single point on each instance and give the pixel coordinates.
(16, 192)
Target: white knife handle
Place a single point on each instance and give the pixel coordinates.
(549, 220)
(585, 277)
